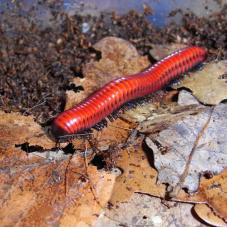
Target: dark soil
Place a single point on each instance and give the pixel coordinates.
(36, 64)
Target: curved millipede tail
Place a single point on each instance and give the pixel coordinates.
(112, 95)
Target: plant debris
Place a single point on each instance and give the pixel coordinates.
(17, 129)
(206, 214)
(44, 70)
(194, 145)
(209, 85)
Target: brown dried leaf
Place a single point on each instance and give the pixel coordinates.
(18, 129)
(115, 134)
(206, 214)
(138, 175)
(85, 209)
(213, 192)
(208, 85)
(119, 58)
(28, 190)
(34, 193)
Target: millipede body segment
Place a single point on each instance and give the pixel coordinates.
(111, 96)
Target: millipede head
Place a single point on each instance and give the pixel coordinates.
(58, 132)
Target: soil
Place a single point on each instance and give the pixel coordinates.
(37, 64)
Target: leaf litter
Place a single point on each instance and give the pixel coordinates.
(212, 191)
(205, 213)
(40, 189)
(209, 85)
(86, 186)
(67, 191)
(208, 154)
(134, 177)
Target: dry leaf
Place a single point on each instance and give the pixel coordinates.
(85, 209)
(172, 148)
(207, 85)
(18, 129)
(137, 176)
(38, 193)
(115, 134)
(213, 192)
(206, 214)
(186, 98)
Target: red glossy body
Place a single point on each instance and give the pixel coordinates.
(111, 96)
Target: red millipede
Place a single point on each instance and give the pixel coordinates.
(111, 96)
